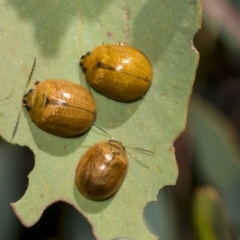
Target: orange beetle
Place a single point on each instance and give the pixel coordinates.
(60, 107)
(120, 72)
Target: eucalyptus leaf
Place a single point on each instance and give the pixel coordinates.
(58, 33)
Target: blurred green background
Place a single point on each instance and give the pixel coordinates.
(204, 204)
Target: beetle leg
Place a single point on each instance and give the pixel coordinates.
(28, 107)
(36, 82)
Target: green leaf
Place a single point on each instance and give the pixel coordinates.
(58, 33)
(209, 215)
(217, 154)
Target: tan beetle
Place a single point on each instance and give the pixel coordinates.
(60, 107)
(101, 170)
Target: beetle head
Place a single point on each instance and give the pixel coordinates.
(27, 99)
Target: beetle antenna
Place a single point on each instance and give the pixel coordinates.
(31, 73)
(29, 78)
(141, 150)
(136, 159)
(103, 130)
(15, 128)
(134, 148)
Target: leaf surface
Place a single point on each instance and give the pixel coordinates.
(58, 33)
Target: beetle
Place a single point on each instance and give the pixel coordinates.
(60, 107)
(120, 72)
(101, 170)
